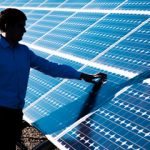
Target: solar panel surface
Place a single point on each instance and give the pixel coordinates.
(114, 43)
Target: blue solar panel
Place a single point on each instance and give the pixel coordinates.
(121, 124)
(91, 36)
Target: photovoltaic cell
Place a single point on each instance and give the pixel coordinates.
(114, 43)
(137, 5)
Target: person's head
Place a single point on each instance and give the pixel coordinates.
(12, 24)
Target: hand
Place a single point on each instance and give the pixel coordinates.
(90, 78)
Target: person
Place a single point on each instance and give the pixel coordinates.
(15, 62)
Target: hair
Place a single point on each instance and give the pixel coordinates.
(10, 16)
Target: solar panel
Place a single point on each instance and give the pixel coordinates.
(91, 36)
(122, 123)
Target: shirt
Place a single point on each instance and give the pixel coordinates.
(15, 64)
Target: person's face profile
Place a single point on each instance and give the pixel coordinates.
(16, 31)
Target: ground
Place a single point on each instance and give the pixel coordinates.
(32, 138)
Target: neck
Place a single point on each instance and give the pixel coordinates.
(9, 40)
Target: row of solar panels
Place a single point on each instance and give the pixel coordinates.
(96, 39)
(117, 44)
(96, 4)
(100, 132)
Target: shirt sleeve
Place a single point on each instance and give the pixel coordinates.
(52, 69)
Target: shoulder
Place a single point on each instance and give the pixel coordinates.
(24, 47)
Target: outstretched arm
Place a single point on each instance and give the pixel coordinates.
(63, 71)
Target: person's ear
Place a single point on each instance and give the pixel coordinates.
(7, 27)
(4, 27)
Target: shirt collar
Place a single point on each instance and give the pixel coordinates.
(3, 42)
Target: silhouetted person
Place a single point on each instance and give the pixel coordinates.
(15, 63)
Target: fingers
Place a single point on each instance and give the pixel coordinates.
(103, 76)
(90, 78)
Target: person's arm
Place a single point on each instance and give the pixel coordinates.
(56, 70)
(53, 69)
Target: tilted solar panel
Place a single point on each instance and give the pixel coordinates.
(92, 36)
(123, 123)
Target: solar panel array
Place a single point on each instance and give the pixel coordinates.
(92, 36)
